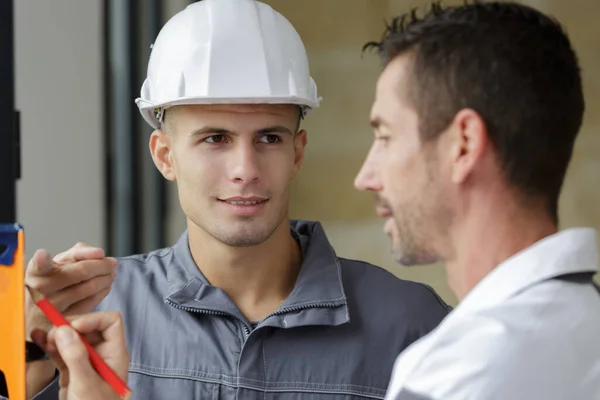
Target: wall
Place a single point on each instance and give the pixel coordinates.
(58, 66)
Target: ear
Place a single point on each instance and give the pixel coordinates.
(300, 140)
(469, 145)
(160, 149)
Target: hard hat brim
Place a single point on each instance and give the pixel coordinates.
(147, 109)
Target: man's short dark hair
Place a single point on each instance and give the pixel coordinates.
(511, 64)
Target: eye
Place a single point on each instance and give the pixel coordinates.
(215, 139)
(270, 139)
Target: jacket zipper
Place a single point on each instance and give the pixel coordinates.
(325, 304)
(199, 310)
(245, 329)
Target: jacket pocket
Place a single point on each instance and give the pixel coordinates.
(156, 386)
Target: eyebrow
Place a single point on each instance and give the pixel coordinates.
(209, 129)
(274, 129)
(222, 131)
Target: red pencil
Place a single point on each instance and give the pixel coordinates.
(97, 362)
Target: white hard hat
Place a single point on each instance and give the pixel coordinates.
(226, 52)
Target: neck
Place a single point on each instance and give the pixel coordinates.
(256, 278)
(490, 235)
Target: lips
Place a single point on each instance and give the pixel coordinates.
(244, 201)
(382, 207)
(244, 206)
(383, 212)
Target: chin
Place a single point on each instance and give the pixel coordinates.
(403, 260)
(240, 232)
(243, 236)
(412, 261)
(412, 258)
(243, 242)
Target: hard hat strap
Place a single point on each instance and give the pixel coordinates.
(159, 113)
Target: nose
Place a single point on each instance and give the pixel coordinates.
(244, 166)
(367, 178)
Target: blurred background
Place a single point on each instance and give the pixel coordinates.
(86, 171)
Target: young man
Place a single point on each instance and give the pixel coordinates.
(475, 116)
(247, 304)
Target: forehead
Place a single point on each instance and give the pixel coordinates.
(241, 111)
(235, 117)
(392, 90)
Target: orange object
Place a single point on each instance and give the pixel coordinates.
(12, 311)
(97, 362)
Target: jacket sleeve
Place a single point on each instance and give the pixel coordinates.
(50, 392)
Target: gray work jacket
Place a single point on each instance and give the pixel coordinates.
(335, 337)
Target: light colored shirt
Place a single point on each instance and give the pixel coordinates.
(521, 333)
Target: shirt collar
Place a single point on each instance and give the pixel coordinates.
(570, 251)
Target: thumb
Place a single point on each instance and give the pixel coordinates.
(75, 356)
(41, 262)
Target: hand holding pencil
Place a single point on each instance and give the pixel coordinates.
(79, 378)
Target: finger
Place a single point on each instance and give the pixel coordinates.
(48, 345)
(49, 339)
(114, 348)
(39, 337)
(40, 264)
(80, 291)
(75, 356)
(63, 377)
(88, 304)
(35, 318)
(71, 274)
(93, 338)
(101, 321)
(80, 271)
(52, 351)
(81, 251)
(105, 331)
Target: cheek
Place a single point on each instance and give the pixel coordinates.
(396, 164)
(399, 171)
(196, 169)
(277, 169)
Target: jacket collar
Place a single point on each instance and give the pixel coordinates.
(318, 296)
